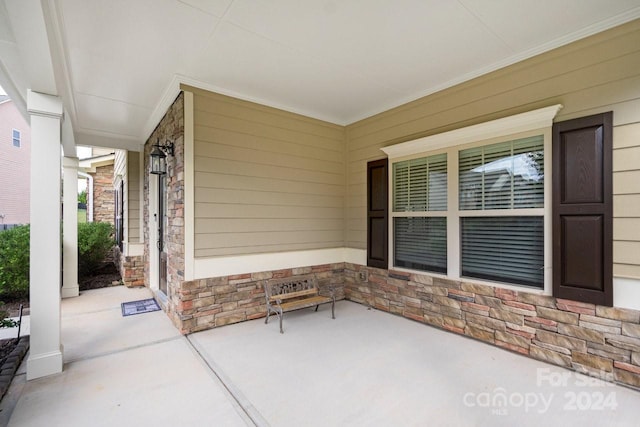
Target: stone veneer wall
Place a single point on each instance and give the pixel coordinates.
(171, 127)
(103, 195)
(209, 303)
(131, 268)
(595, 340)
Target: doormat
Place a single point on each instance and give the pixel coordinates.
(139, 307)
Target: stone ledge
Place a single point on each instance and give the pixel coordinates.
(11, 365)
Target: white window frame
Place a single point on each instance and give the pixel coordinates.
(416, 214)
(536, 122)
(13, 138)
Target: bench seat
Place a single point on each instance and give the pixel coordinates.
(295, 293)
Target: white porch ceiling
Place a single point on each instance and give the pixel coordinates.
(340, 61)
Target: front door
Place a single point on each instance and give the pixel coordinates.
(162, 230)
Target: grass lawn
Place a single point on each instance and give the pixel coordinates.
(82, 215)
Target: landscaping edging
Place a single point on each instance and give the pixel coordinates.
(10, 366)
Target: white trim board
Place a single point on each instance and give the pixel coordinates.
(255, 263)
(626, 293)
(518, 123)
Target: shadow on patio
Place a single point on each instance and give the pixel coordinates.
(364, 368)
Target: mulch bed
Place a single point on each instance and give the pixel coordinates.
(103, 277)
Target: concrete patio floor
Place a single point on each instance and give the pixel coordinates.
(364, 368)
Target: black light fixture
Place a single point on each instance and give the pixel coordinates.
(158, 157)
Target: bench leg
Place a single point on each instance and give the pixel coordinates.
(317, 307)
(333, 308)
(266, 320)
(280, 316)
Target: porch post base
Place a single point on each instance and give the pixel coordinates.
(70, 291)
(43, 365)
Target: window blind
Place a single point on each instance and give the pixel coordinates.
(506, 249)
(420, 185)
(421, 243)
(507, 175)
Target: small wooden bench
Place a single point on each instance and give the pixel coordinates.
(295, 293)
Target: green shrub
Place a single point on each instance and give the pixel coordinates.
(95, 240)
(14, 263)
(82, 197)
(5, 322)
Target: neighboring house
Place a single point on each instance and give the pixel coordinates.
(98, 172)
(15, 150)
(252, 193)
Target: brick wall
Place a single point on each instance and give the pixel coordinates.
(131, 268)
(103, 194)
(209, 303)
(171, 128)
(594, 340)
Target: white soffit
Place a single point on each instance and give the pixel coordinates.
(524, 122)
(339, 61)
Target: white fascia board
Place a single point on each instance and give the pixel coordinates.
(524, 122)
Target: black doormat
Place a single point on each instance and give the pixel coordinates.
(139, 307)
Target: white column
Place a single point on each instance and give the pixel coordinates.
(45, 357)
(70, 228)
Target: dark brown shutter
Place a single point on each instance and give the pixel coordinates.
(377, 208)
(583, 209)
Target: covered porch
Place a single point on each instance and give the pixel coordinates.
(366, 367)
(269, 177)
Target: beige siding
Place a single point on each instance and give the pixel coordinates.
(597, 74)
(120, 170)
(132, 204)
(126, 165)
(265, 180)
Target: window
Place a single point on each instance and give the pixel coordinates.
(419, 226)
(16, 138)
(474, 202)
(508, 176)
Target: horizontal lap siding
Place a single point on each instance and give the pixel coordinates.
(597, 74)
(265, 180)
(120, 170)
(133, 207)
(626, 200)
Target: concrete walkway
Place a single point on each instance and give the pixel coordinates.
(122, 371)
(364, 368)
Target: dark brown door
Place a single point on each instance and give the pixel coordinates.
(377, 209)
(583, 209)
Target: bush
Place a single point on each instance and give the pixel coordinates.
(14, 263)
(5, 322)
(95, 240)
(82, 197)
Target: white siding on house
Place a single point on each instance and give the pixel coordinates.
(265, 180)
(597, 74)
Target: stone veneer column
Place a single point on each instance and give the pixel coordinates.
(70, 228)
(45, 357)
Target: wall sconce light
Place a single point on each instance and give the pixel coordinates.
(158, 157)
